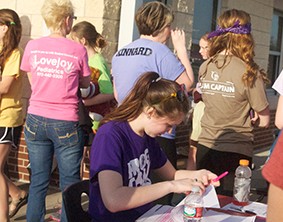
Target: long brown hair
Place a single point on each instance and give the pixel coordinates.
(13, 35)
(240, 45)
(88, 31)
(151, 91)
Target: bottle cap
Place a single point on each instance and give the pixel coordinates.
(244, 162)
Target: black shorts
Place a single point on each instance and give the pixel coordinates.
(11, 135)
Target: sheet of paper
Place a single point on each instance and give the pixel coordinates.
(255, 207)
(168, 213)
(211, 216)
(210, 198)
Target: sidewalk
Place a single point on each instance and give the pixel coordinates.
(53, 199)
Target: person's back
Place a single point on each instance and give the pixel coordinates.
(149, 53)
(232, 84)
(54, 76)
(140, 56)
(56, 67)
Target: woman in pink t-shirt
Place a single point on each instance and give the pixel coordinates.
(56, 67)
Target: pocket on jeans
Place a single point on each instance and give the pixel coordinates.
(68, 136)
(30, 131)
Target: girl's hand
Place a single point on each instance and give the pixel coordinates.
(186, 185)
(206, 177)
(253, 116)
(179, 40)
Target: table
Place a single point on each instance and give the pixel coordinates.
(224, 200)
(162, 213)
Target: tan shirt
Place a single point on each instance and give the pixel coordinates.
(226, 124)
(10, 104)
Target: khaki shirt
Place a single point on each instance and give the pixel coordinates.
(226, 124)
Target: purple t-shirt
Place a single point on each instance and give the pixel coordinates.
(117, 147)
(56, 65)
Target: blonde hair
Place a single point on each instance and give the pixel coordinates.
(153, 17)
(238, 44)
(54, 13)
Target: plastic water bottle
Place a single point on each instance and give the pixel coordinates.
(193, 206)
(242, 184)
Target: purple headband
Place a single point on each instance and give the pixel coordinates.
(236, 29)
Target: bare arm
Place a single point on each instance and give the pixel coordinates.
(117, 197)
(275, 200)
(84, 82)
(279, 113)
(98, 99)
(205, 176)
(179, 42)
(5, 84)
(264, 118)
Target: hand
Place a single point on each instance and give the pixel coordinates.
(254, 118)
(178, 39)
(186, 185)
(206, 177)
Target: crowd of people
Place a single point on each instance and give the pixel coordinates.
(133, 156)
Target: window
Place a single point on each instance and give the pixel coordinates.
(274, 60)
(205, 16)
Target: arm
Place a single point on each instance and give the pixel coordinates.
(264, 117)
(84, 82)
(179, 42)
(5, 84)
(191, 161)
(98, 99)
(117, 197)
(279, 113)
(205, 176)
(274, 212)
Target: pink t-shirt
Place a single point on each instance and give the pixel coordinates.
(56, 65)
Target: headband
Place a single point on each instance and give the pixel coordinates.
(236, 29)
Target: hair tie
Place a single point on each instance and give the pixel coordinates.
(156, 80)
(236, 29)
(173, 95)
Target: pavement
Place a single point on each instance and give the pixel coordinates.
(54, 200)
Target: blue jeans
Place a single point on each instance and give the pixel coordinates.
(44, 138)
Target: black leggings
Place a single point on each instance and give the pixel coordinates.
(219, 162)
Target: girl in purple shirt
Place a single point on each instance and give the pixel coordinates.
(124, 152)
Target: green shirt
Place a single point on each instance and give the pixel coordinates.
(104, 80)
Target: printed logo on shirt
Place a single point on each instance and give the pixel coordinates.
(51, 66)
(138, 170)
(134, 51)
(226, 89)
(214, 75)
